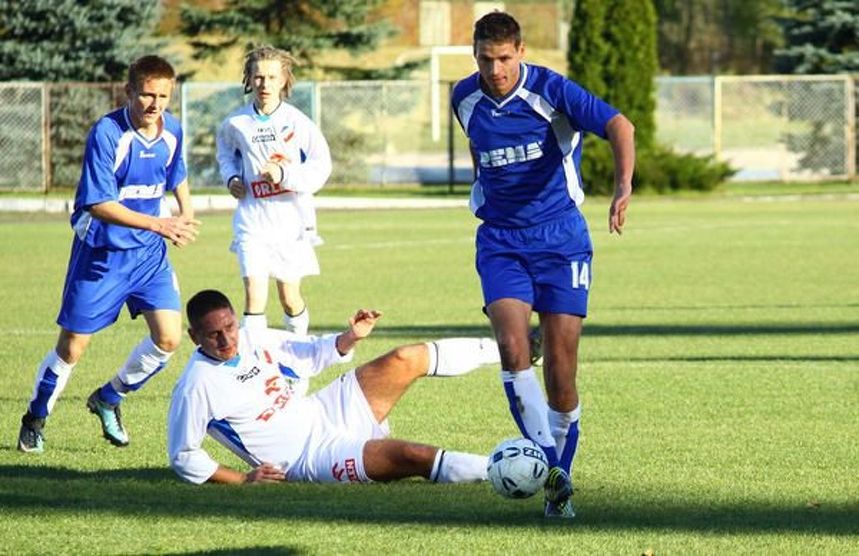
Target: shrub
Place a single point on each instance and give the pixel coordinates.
(658, 169)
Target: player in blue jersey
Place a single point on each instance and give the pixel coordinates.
(525, 126)
(119, 256)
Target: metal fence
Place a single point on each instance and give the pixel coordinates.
(780, 128)
(386, 132)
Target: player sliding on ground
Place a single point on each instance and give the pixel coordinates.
(246, 387)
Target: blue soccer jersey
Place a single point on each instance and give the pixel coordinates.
(122, 165)
(527, 146)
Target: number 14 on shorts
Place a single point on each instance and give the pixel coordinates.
(581, 271)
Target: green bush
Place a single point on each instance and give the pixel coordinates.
(657, 169)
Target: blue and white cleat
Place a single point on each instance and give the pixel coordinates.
(30, 437)
(111, 420)
(559, 491)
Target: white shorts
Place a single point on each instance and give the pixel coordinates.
(287, 262)
(335, 448)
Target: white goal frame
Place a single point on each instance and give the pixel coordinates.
(435, 85)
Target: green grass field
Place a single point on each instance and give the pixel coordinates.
(719, 378)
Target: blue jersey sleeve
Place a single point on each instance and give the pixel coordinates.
(586, 111)
(98, 182)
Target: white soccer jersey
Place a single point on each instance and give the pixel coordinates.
(246, 141)
(254, 404)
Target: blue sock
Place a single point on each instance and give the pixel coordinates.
(109, 395)
(570, 445)
(529, 410)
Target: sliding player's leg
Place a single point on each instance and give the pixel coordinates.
(385, 379)
(389, 459)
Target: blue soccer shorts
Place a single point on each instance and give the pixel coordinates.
(547, 266)
(100, 281)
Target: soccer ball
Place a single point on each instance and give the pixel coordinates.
(517, 468)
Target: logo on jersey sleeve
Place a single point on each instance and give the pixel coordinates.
(510, 155)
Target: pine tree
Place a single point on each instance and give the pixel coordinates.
(613, 54)
(303, 27)
(67, 40)
(822, 37)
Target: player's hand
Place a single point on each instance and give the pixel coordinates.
(617, 210)
(265, 473)
(237, 188)
(363, 322)
(181, 230)
(272, 172)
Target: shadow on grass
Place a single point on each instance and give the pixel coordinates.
(271, 550)
(155, 492)
(642, 330)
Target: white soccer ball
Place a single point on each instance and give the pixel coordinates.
(517, 468)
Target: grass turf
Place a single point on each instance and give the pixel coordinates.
(718, 379)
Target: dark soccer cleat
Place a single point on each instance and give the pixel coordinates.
(535, 343)
(111, 420)
(30, 437)
(559, 490)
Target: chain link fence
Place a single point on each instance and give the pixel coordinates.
(780, 128)
(382, 132)
(22, 137)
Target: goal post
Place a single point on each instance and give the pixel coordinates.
(436, 53)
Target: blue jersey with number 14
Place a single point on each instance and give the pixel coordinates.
(122, 165)
(527, 146)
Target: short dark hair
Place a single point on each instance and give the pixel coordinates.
(203, 303)
(149, 67)
(498, 27)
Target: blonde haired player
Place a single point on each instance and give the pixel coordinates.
(273, 159)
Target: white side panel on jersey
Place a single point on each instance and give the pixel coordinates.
(123, 147)
(172, 143)
(466, 108)
(567, 140)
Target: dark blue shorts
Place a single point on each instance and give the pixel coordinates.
(99, 281)
(547, 266)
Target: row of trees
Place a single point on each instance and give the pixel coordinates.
(60, 40)
(616, 49)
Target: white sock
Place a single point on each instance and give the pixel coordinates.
(255, 321)
(559, 423)
(299, 323)
(145, 361)
(457, 356)
(529, 409)
(51, 380)
(458, 467)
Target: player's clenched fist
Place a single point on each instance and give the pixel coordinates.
(236, 187)
(272, 172)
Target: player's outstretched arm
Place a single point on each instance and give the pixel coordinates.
(360, 327)
(621, 135)
(265, 473)
(181, 230)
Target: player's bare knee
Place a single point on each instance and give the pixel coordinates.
(416, 455)
(167, 343)
(514, 351)
(410, 359)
